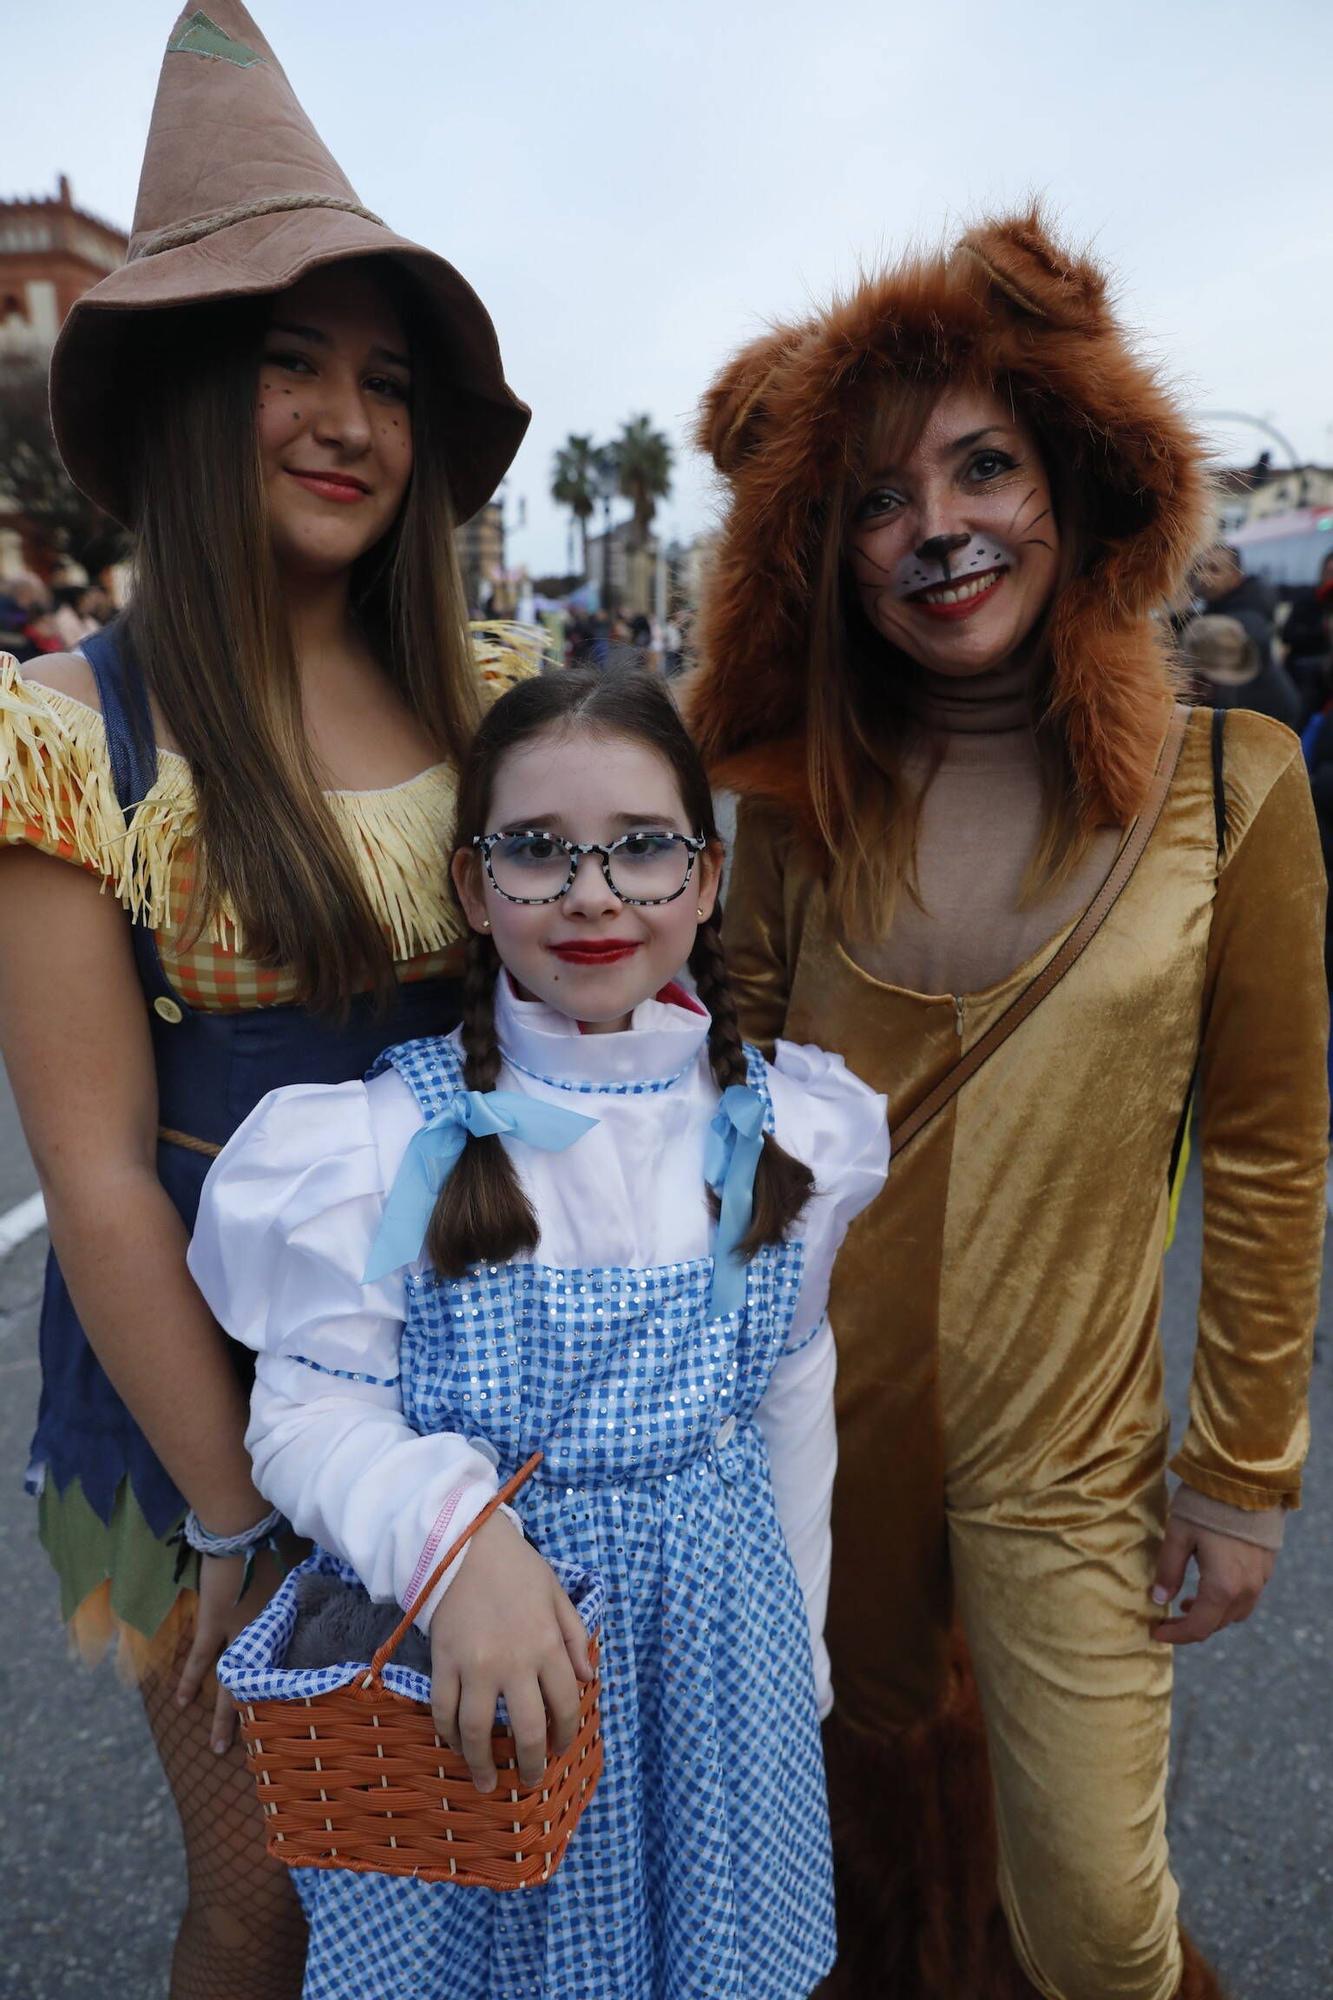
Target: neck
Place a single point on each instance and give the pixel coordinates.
(318, 615)
(616, 1027)
(992, 703)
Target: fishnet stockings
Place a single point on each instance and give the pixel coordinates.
(242, 1936)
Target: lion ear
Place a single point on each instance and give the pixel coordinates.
(1018, 257)
(732, 412)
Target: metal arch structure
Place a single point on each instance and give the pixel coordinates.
(1255, 423)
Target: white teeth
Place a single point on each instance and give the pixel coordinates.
(958, 593)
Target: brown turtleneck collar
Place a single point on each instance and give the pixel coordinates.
(991, 704)
(980, 827)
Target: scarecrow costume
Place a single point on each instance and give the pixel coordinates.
(238, 197)
(998, 1750)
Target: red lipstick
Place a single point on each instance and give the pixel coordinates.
(339, 486)
(594, 951)
(962, 607)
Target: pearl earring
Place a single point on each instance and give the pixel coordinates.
(699, 912)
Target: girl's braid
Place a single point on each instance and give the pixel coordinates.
(481, 1051)
(482, 1214)
(782, 1185)
(708, 963)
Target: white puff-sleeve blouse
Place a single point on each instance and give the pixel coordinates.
(292, 1205)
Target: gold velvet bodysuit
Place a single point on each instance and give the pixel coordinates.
(1002, 1427)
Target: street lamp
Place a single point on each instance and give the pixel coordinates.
(608, 485)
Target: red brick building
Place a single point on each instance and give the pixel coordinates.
(50, 253)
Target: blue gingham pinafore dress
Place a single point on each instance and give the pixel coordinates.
(701, 1869)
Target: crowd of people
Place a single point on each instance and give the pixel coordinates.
(616, 639)
(1251, 646)
(51, 616)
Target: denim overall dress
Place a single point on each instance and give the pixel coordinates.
(701, 1869)
(212, 1069)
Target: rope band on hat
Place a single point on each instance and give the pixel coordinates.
(277, 204)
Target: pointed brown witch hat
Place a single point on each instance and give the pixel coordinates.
(240, 197)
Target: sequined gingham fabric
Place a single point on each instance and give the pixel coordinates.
(701, 1869)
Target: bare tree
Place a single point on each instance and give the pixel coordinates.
(34, 484)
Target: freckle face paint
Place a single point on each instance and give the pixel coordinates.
(944, 581)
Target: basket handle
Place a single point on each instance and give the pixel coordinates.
(511, 1486)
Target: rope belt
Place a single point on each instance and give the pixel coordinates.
(191, 1144)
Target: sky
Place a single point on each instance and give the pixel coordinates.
(636, 189)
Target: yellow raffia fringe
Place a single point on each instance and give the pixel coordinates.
(55, 775)
(506, 652)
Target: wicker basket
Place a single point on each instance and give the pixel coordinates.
(357, 1777)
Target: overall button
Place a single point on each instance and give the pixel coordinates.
(168, 1009)
(726, 1431)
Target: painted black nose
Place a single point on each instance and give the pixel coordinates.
(940, 547)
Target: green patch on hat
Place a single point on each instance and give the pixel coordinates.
(201, 37)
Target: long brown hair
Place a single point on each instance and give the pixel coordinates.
(207, 627)
(482, 1214)
(863, 696)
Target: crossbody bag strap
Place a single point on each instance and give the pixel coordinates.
(1220, 829)
(1070, 951)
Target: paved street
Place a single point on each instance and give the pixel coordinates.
(87, 1855)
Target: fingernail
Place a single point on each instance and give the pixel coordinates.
(182, 1701)
(219, 1749)
(485, 1784)
(1160, 1595)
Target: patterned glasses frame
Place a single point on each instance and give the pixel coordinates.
(575, 850)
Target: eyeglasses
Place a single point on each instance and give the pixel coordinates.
(532, 866)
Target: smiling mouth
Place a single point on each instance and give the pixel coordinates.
(960, 599)
(332, 485)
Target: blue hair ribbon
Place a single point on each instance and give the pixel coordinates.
(735, 1141)
(435, 1151)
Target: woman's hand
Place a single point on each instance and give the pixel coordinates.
(217, 1623)
(505, 1627)
(1232, 1578)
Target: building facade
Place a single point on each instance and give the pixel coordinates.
(630, 573)
(50, 254)
(480, 543)
(1285, 491)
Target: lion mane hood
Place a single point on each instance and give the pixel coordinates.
(1006, 303)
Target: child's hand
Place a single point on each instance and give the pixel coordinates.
(505, 1627)
(1232, 1578)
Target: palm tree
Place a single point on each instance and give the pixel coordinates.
(575, 484)
(643, 457)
